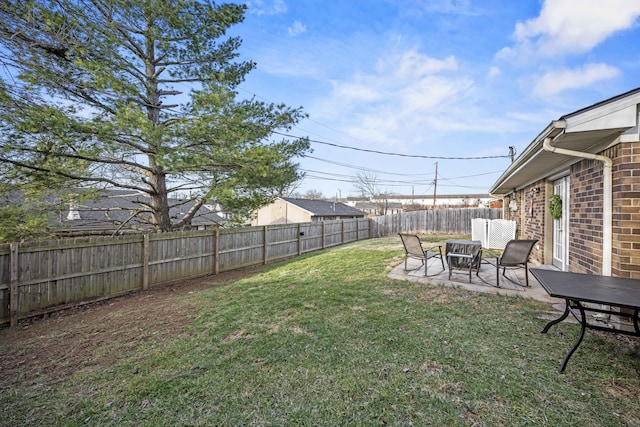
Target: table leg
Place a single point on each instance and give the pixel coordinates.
(583, 327)
(558, 320)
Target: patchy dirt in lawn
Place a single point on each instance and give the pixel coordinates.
(48, 350)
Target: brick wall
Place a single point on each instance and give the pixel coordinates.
(530, 213)
(585, 217)
(533, 218)
(509, 214)
(585, 250)
(626, 210)
(585, 213)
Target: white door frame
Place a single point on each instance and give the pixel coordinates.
(560, 236)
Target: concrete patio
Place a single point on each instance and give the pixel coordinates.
(484, 282)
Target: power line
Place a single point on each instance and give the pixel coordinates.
(341, 178)
(362, 168)
(386, 153)
(322, 178)
(379, 181)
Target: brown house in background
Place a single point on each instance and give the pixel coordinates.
(287, 210)
(590, 159)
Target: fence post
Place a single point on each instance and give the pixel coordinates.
(264, 255)
(13, 284)
(145, 262)
(216, 251)
(324, 233)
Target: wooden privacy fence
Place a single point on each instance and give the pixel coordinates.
(447, 221)
(41, 277)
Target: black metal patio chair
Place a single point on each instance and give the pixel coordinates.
(413, 249)
(515, 255)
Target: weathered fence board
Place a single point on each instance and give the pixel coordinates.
(39, 277)
(176, 256)
(447, 221)
(241, 247)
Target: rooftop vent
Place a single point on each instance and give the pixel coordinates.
(73, 212)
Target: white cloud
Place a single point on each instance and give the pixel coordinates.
(567, 26)
(494, 72)
(267, 7)
(411, 64)
(405, 95)
(441, 6)
(296, 29)
(559, 80)
(355, 91)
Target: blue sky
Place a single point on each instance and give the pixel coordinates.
(433, 78)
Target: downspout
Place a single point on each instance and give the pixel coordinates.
(607, 198)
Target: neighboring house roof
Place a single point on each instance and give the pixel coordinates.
(114, 208)
(109, 210)
(373, 205)
(591, 130)
(324, 208)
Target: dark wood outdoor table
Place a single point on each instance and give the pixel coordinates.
(576, 289)
(463, 255)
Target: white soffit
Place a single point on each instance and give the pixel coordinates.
(541, 164)
(591, 130)
(594, 120)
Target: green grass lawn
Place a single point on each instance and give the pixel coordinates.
(326, 340)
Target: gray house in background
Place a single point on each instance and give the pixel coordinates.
(286, 210)
(120, 212)
(382, 208)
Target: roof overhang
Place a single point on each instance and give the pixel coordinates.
(590, 130)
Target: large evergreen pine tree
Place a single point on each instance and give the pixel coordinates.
(140, 95)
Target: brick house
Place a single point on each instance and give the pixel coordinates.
(591, 159)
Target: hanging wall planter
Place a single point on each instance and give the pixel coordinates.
(555, 206)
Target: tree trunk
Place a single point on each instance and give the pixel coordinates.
(160, 203)
(159, 197)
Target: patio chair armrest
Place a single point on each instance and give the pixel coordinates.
(429, 253)
(458, 255)
(494, 260)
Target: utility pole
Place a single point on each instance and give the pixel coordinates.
(435, 186)
(512, 153)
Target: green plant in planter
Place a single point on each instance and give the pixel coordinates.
(555, 206)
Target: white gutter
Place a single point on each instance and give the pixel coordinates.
(607, 198)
